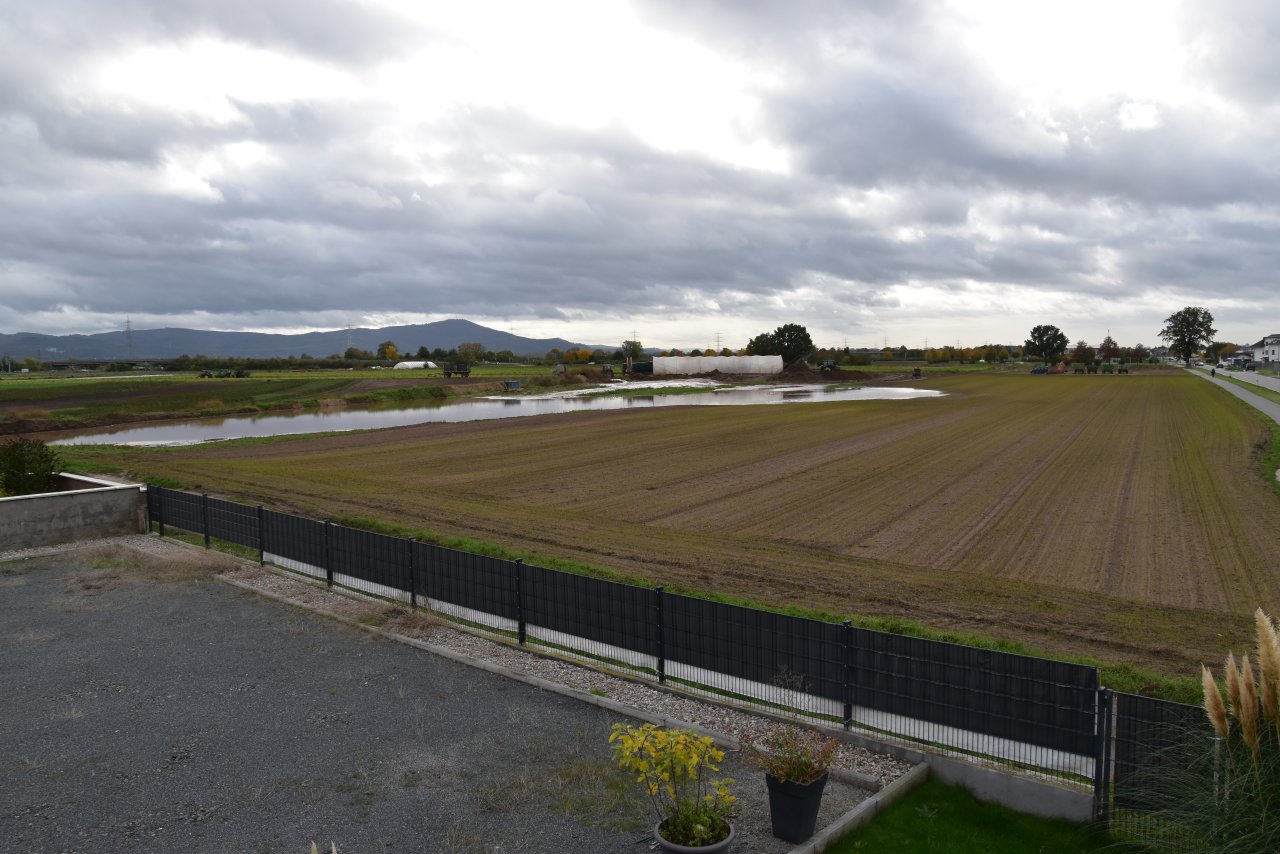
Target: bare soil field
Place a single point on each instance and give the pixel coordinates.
(1123, 518)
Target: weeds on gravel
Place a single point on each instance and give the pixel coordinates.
(507, 793)
(594, 790)
(459, 840)
(31, 637)
(119, 563)
(29, 763)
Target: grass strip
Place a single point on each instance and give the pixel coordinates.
(940, 819)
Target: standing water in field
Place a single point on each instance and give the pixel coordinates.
(480, 409)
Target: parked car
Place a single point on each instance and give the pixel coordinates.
(1040, 369)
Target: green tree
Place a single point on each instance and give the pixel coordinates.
(1108, 349)
(1046, 343)
(388, 350)
(1187, 331)
(353, 353)
(790, 341)
(470, 352)
(1082, 353)
(28, 466)
(632, 350)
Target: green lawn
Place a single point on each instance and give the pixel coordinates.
(942, 819)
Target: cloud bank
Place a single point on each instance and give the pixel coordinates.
(688, 173)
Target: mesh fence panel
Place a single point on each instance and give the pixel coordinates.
(235, 523)
(372, 563)
(602, 619)
(182, 510)
(474, 587)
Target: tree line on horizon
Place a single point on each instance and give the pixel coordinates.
(1186, 332)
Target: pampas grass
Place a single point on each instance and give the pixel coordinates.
(1228, 793)
(1213, 705)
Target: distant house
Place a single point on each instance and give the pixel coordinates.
(404, 366)
(1267, 350)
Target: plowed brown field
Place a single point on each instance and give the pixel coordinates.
(1120, 517)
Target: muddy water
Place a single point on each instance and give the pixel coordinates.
(514, 406)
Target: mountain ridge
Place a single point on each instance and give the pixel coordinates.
(171, 342)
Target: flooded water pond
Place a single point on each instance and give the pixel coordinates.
(480, 409)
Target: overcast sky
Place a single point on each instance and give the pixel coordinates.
(693, 172)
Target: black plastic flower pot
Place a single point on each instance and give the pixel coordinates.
(793, 807)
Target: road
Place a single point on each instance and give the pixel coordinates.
(1264, 405)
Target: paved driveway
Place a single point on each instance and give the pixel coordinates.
(183, 716)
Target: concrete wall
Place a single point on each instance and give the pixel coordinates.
(1020, 792)
(92, 508)
(1013, 789)
(684, 365)
(1016, 791)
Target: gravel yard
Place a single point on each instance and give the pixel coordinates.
(151, 709)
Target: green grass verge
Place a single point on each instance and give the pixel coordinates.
(1259, 390)
(1270, 462)
(941, 819)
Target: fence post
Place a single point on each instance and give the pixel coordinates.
(262, 537)
(1102, 759)
(846, 639)
(328, 554)
(660, 634)
(204, 513)
(520, 600)
(413, 571)
(159, 506)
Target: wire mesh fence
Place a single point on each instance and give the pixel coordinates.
(1050, 718)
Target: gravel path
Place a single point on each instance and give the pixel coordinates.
(178, 716)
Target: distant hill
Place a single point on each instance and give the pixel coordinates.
(171, 343)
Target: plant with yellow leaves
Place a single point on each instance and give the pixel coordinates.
(675, 766)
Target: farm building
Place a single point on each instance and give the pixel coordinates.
(685, 365)
(404, 366)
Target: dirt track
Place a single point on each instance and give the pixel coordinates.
(1120, 517)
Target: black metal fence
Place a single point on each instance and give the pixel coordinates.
(1047, 717)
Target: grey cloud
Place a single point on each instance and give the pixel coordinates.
(323, 29)
(1236, 46)
(335, 224)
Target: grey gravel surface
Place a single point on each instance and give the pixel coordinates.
(147, 712)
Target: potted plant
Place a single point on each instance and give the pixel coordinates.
(796, 762)
(675, 766)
